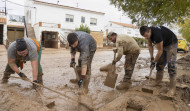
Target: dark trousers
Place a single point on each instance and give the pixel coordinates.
(88, 72)
(130, 60)
(169, 56)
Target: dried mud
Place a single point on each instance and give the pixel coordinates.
(18, 95)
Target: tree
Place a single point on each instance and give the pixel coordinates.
(185, 29)
(154, 12)
(84, 28)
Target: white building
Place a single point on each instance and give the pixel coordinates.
(52, 22)
(11, 27)
(123, 28)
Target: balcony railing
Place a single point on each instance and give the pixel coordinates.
(2, 11)
(15, 18)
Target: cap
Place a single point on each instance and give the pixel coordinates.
(110, 34)
(21, 44)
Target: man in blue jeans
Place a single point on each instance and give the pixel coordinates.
(166, 42)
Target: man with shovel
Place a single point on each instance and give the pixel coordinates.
(127, 46)
(20, 51)
(166, 42)
(86, 45)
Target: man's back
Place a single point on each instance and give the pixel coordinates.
(164, 34)
(128, 43)
(86, 39)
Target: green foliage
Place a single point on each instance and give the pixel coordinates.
(154, 12)
(141, 41)
(185, 29)
(84, 28)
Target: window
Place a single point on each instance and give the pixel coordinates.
(69, 18)
(82, 19)
(93, 21)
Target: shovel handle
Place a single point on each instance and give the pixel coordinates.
(150, 76)
(76, 73)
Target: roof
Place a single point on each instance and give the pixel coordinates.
(124, 24)
(68, 7)
(180, 37)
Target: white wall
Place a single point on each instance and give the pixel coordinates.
(52, 14)
(132, 32)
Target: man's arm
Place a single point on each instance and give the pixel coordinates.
(159, 46)
(13, 65)
(73, 55)
(34, 64)
(73, 52)
(151, 49)
(119, 53)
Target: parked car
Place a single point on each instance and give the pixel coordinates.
(189, 45)
(183, 45)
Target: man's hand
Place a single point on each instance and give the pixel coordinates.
(115, 50)
(152, 65)
(152, 59)
(34, 85)
(72, 63)
(113, 62)
(81, 80)
(22, 75)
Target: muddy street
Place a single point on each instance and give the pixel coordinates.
(18, 95)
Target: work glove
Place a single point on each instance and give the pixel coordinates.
(81, 81)
(22, 75)
(113, 62)
(152, 65)
(72, 63)
(152, 59)
(34, 85)
(115, 50)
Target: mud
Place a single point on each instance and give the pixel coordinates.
(18, 95)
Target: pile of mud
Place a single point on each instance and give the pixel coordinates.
(184, 62)
(12, 101)
(136, 100)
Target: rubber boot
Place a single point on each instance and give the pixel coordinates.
(5, 78)
(159, 77)
(40, 79)
(86, 83)
(172, 87)
(84, 90)
(124, 85)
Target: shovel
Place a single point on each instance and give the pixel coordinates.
(112, 76)
(84, 99)
(148, 89)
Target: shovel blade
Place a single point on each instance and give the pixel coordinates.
(148, 90)
(111, 79)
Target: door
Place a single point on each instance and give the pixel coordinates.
(1, 33)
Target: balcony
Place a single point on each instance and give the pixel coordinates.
(15, 18)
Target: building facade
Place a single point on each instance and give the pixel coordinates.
(123, 28)
(11, 27)
(53, 22)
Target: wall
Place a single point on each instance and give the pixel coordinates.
(98, 36)
(132, 32)
(52, 14)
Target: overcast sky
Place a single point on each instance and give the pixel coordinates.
(111, 13)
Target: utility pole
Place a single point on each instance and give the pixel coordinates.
(77, 4)
(5, 8)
